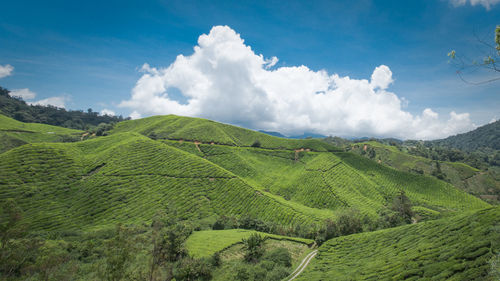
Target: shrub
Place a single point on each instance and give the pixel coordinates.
(256, 143)
(279, 256)
(253, 247)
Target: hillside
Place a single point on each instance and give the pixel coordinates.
(172, 127)
(18, 109)
(14, 133)
(464, 247)
(487, 136)
(482, 184)
(126, 177)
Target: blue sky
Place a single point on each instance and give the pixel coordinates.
(91, 53)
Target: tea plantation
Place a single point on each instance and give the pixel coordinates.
(81, 195)
(465, 247)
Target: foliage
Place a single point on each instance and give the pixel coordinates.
(278, 256)
(76, 119)
(253, 247)
(192, 269)
(118, 253)
(205, 243)
(457, 248)
(488, 62)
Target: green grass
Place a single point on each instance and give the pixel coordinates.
(206, 243)
(457, 248)
(14, 133)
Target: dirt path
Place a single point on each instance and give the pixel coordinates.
(302, 265)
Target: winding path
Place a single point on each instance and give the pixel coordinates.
(302, 265)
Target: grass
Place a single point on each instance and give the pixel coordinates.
(458, 248)
(206, 243)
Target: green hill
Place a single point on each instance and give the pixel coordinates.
(14, 133)
(174, 127)
(126, 177)
(482, 184)
(487, 136)
(465, 247)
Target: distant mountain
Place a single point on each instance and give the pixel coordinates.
(487, 136)
(276, 134)
(306, 135)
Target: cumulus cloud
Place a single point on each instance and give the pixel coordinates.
(6, 70)
(485, 3)
(107, 112)
(53, 101)
(225, 80)
(25, 94)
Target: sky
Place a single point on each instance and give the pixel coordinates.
(345, 68)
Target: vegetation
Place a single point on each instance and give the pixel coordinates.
(75, 119)
(459, 248)
(160, 198)
(483, 184)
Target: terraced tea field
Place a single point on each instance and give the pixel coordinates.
(126, 177)
(14, 133)
(464, 247)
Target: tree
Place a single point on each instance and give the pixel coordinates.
(402, 206)
(256, 143)
(118, 254)
(489, 62)
(16, 252)
(253, 247)
(168, 236)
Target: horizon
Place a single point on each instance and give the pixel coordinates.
(378, 70)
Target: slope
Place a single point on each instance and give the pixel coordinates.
(206, 131)
(458, 248)
(330, 181)
(126, 178)
(482, 184)
(487, 136)
(14, 133)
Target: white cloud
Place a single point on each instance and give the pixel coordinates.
(6, 70)
(225, 80)
(485, 3)
(107, 112)
(54, 101)
(25, 94)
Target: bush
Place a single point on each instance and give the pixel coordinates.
(278, 273)
(256, 143)
(253, 247)
(279, 256)
(192, 269)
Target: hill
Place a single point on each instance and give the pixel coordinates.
(465, 247)
(173, 127)
(18, 109)
(126, 177)
(487, 136)
(483, 184)
(14, 133)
